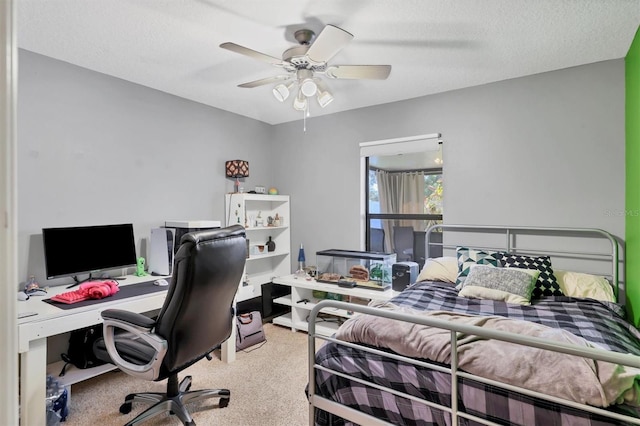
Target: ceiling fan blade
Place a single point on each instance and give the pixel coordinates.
(330, 41)
(264, 81)
(372, 72)
(251, 53)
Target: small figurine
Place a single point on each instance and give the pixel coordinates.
(32, 288)
(31, 284)
(140, 268)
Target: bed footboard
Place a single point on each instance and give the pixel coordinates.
(457, 414)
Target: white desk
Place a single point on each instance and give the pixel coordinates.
(50, 321)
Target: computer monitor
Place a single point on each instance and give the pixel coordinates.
(78, 250)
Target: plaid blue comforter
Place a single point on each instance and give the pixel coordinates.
(597, 322)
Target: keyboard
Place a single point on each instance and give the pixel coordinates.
(89, 290)
(69, 297)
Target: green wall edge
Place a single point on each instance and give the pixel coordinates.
(632, 180)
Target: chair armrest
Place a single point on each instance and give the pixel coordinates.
(129, 317)
(141, 327)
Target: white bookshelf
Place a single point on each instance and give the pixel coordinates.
(261, 268)
(302, 301)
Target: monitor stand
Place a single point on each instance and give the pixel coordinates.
(78, 282)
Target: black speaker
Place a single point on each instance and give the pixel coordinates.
(403, 274)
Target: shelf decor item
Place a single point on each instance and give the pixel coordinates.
(271, 245)
(301, 263)
(237, 169)
(301, 257)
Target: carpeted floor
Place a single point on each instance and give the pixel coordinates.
(267, 388)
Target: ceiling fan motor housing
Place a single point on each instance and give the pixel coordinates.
(304, 36)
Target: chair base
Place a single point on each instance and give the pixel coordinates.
(176, 404)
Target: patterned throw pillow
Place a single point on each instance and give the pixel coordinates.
(547, 284)
(468, 257)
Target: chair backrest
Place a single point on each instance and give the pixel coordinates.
(376, 242)
(197, 314)
(403, 242)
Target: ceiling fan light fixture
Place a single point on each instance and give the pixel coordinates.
(308, 87)
(300, 102)
(281, 91)
(324, 96)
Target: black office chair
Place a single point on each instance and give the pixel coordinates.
(403, 243)
(197, 316)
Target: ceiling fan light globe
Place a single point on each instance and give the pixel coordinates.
(281, 92)
(324, 98)
(300, 102)
(308, 87)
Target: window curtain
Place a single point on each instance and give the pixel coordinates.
(402, 193)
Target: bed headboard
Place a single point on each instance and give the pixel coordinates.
(587, 250)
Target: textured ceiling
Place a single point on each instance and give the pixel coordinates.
(432, 45)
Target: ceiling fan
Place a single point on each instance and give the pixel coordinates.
(304, 63)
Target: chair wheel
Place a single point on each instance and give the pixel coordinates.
(125, 408)
(191, 423)
(224, 402)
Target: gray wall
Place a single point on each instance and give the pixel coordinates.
(94, 149)
(542, 150)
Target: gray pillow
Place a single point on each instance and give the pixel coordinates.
(512, 285)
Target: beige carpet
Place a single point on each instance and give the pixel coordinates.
(267, 388)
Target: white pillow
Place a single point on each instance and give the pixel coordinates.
(512, 285)
(578, 284)
(443, 269)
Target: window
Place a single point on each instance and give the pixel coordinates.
(400, 205)
(402, 184)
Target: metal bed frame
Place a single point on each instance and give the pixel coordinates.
(350, 414)
(510, 233)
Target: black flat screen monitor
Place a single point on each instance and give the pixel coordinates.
(86, 249)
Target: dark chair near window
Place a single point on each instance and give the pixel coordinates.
(435, 245)
(376, 240)
(197, 316)
(403, 243)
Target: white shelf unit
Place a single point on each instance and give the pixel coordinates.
(262, 268)
(74, 374)
(301, 301)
